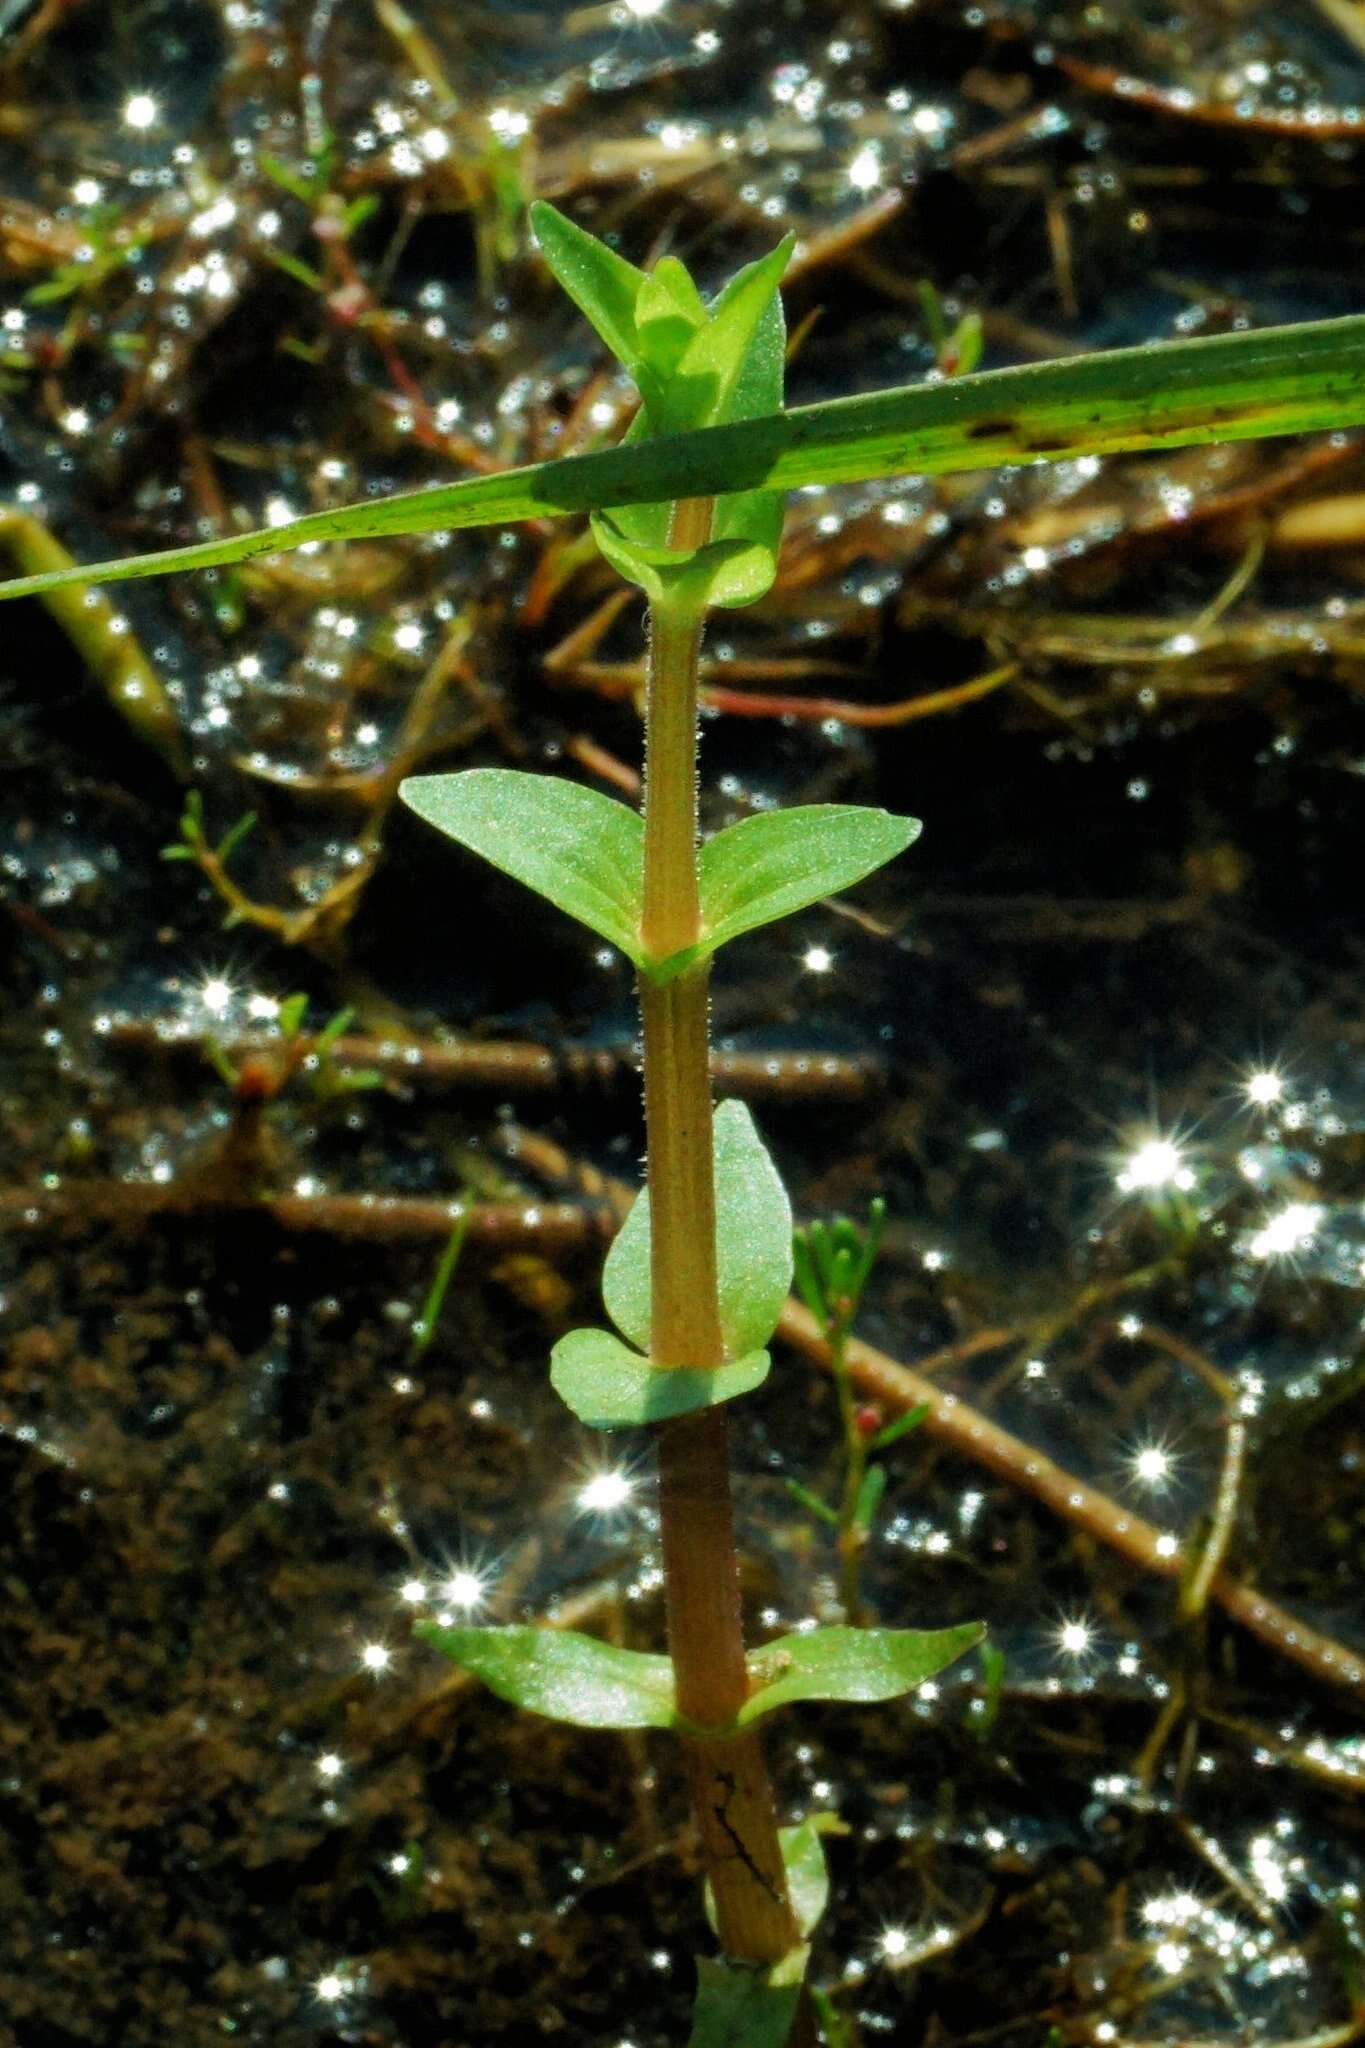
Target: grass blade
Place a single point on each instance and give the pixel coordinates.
(1227, 387)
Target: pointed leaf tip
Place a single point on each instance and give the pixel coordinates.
(856, 1665)
(603, 286)
(768, 866)
(563, 1675)
(580, 849)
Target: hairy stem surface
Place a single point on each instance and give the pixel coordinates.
(731, 1796)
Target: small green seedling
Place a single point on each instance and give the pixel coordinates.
(834, 1263)
(424, 1329)
(695, 1281)
(260, 1075)
(957, 349)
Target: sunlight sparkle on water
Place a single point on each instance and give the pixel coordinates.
(605, 1492)
(376, 1657)
(331, 1988)
(216, 995)
(1154, 1164)
(1074, 1637)
(1264, 1087)
(1152, 1463)
(508, 124)
(141, 111)
(865, 171)
(465, 1589)
(330, 1767)
(817, 960)
(1291, 1230)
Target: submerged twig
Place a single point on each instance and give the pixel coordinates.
(376, 1219)
(967, 1430)
(517, 1069)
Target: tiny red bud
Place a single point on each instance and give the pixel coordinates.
(868, 1420)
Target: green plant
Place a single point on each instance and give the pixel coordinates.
(1225, 387)
(696, 1278)
(833, 1263)
(689, 508)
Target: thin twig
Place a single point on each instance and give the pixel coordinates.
(516, 1069)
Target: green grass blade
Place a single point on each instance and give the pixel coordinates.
(1228, 387)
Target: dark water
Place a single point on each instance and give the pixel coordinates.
(1098, 1040)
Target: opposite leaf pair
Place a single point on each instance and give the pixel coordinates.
(590, 1684)
(694, 366)
(586, 853)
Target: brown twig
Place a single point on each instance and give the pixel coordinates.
(956, 1423)
(1323, 124)
(545, 1227)
(515, 1069)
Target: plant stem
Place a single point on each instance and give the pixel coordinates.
(851, 1541)
(731, 1796)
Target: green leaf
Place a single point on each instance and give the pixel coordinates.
(813, 1503)
(332, 1030)
(233, 838)
(730, 369)
(563, 1675)
(602, 285)
(424, 1329)
(768, 866)
(858, 1664)
(803, 1857)
(753, 1244)
(668, 312)
(983, 1713)
(292, 1011)
(869, 1497)
(357, 1080)
(609, 1386)
(582, 850)
(746, 2005)
(723, 572)
(902, 1426)
(290, 180)
(713, 376)
(836, 2031)
(294, 266)
(1226, 387)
